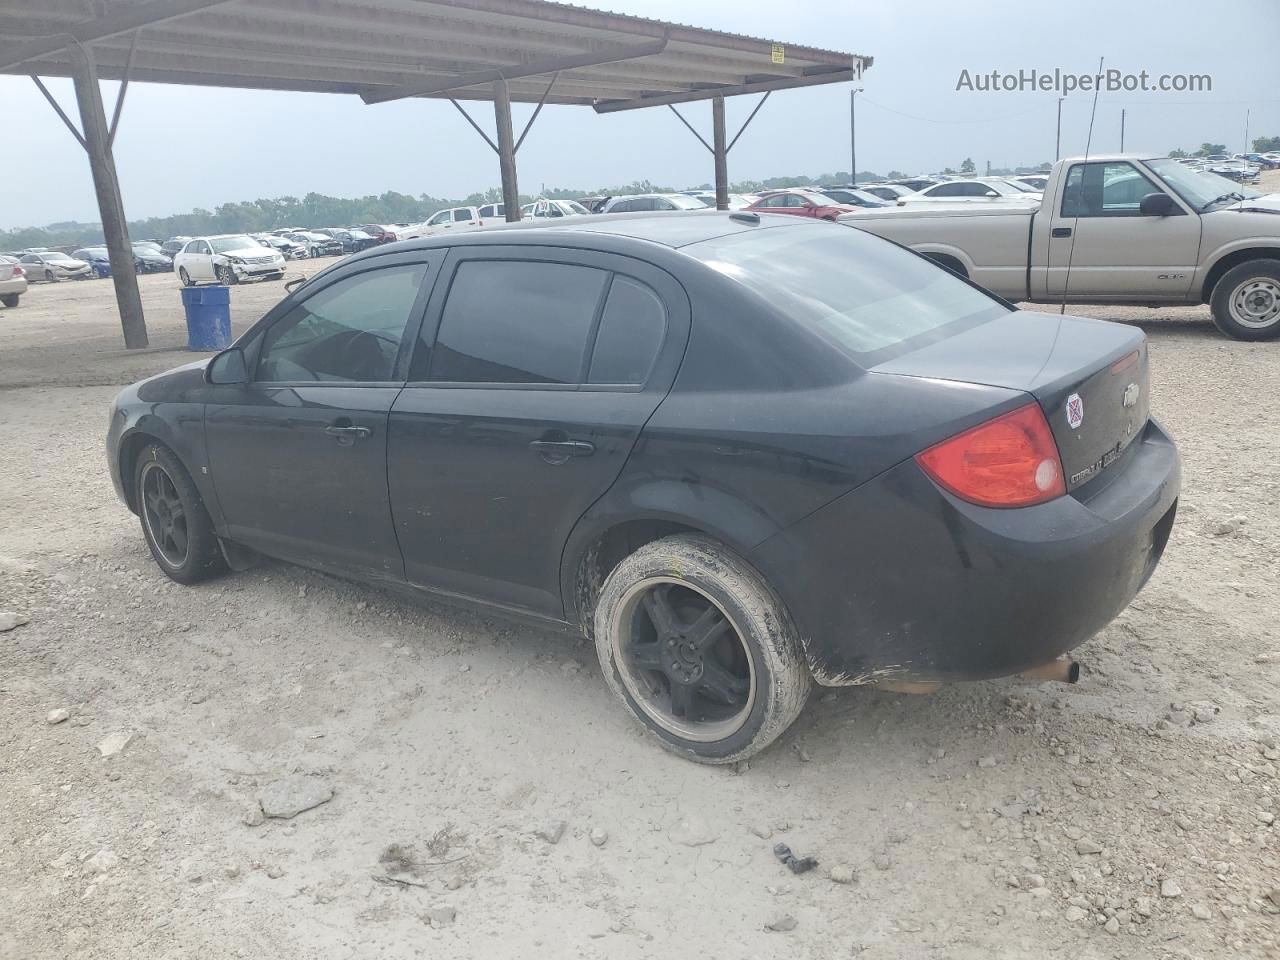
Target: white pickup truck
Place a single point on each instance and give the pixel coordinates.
(1118, 229)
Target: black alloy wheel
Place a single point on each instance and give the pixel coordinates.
(164, 515)
(684, 661)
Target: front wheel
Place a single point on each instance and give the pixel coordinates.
(185, 277)
(50, 277)
(175, 523)
(700, 649)
(1246, 301)
(226, 276)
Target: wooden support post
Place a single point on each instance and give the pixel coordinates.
(506, 149)
(718, 147)
(93, 123)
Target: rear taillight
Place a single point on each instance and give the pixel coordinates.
(18, 271)
(1011, 461)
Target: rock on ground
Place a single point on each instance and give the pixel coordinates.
(287, 798)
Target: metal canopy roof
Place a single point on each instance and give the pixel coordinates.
(387, 49)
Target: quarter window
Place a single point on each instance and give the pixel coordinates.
(508, 321)
(462, 215)
(349, 331)
(631, 331)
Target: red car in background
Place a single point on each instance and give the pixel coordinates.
(379, 233)
(801, 203)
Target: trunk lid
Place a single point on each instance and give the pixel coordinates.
(1089, 376)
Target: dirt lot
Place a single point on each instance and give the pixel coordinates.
(1130, 816)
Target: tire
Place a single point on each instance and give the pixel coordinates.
(185, 277)
(226, 275)
(50, 277)
(10, 300)
(1246, 300)
(753, 653)
(182, 543)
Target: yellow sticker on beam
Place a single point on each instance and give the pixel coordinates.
(779, 54)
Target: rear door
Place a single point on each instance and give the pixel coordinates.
(536, 369)
(299, 455)
(1099, 238)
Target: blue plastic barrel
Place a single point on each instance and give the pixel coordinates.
(208, 317)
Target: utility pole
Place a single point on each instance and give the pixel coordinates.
(1246, 131)
(853, 140)
(1122, 130)
(506, 149)
(1057, 148)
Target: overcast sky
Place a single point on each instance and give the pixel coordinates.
(185, 147)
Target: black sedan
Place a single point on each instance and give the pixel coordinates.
(151, 259)
(742, 453)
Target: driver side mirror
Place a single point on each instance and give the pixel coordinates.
(1157, 205)
(227, 367)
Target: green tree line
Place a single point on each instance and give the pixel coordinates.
(318, 210)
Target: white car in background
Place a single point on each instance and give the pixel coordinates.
(736, 200)
(13, 281)
(972, 191)
(52, 266)
(652, 202)
(540, 209)
(229, 259)
(455, 219)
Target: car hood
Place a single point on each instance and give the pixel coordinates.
(246, 252)
(67, 264)
(1268, 203)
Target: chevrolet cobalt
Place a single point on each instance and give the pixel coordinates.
(743, 453)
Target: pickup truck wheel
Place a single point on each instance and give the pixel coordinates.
(1246, 301)
(700, 649)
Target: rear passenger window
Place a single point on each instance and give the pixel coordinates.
(631, 331)
(515, 322)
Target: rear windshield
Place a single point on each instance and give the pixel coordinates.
(866, 296)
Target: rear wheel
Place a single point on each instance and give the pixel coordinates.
(1246, 301)
(10, 299)
(175, 523)
(700, 649)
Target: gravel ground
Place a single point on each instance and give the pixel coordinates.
(1129, 816)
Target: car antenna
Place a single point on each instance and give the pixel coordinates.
(1075, 223)
(745, 216)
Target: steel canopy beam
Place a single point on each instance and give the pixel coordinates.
(594, 58)
(112, 25)
(757, 86)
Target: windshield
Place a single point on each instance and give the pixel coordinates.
(227, 244)
(574, 206)
(683, 202)
(1197, 188)
(1022, 187)
(56, 256)
(866, 297)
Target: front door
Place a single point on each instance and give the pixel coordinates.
(1099, 237)
(522, 410)
(298, 455)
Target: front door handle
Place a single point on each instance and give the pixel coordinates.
(347, 433)
(558, 451)
(1061, 233)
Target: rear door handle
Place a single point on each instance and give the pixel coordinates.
(1060, 233)
(558, 451)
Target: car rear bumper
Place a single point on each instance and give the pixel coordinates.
(899, 580)
(13, 285)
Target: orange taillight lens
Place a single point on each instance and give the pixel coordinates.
(1011, 461)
